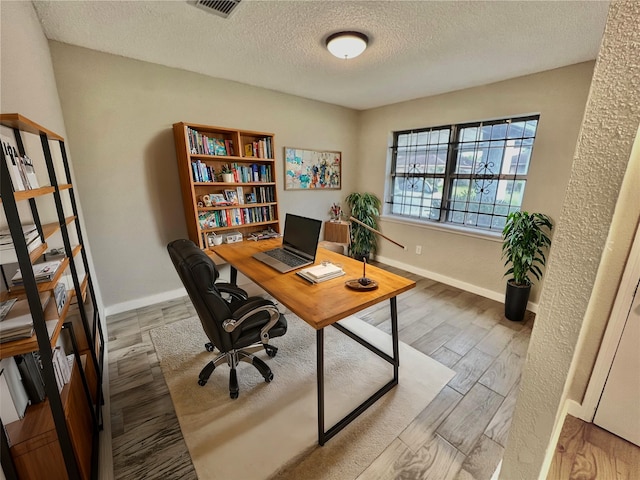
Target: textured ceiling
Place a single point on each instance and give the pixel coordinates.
(416, 49)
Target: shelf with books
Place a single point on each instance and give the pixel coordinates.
(54, 321)
(50, 305)
(35, 435)
(248, 203)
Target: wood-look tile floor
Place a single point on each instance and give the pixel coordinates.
(460, 435)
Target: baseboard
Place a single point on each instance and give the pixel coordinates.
(144, 302)
(468, 287)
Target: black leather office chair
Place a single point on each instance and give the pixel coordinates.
(236, 324)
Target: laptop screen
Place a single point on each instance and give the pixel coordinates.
(301, 234)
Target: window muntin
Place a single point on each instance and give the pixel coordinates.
(471, 174)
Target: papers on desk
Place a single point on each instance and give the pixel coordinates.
(321, 273)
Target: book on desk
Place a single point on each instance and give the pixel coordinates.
(321, 273)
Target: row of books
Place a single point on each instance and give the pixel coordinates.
(21, 170)
(264, 194)
(43, 272)
(22, 382)
(236, 197)
(202, 172)
(200, 143)
(261, 148)
(236, 216)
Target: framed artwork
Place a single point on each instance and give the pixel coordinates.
(312, 169)
(231, 196)
(218, 199)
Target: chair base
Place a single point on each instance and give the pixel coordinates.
(232, 358)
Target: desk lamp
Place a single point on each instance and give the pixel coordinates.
(365, 283)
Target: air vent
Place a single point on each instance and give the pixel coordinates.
(222, 8)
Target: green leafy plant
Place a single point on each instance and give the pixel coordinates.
(364, 207)
(524, 240)
(226, 169)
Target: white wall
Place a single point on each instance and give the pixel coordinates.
(28, 86)
(473, 262)
(119, 114)
(592, 242)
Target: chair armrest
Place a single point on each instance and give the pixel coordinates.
(248, 310)
(233, 290)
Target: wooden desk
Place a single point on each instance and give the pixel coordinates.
(323, 304)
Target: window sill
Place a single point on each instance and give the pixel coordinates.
(448, 228)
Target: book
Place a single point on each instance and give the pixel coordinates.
(18, 322)
(10, 153)
(321, 273)
(31, 180)
(248, 150)
(43, 272)
(5, 306)
(31, 374)
(323, 270)
(29, 230)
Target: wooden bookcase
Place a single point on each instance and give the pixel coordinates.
(58, 437)
(202, 151)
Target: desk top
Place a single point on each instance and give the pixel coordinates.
(319, 304)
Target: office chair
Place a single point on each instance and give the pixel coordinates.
(236, 324)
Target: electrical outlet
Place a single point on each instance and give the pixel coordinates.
(418, 249)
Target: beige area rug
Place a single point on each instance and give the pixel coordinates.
(270, 431)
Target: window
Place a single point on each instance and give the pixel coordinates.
(470, 174)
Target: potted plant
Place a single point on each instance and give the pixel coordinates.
(365, 207)
(227, 173)
(524, 241)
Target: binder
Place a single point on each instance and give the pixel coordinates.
(31, 377)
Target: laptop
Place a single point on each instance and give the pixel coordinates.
(299, 245)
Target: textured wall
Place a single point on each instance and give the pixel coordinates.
(602, 154)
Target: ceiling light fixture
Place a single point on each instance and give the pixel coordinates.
(347, 44)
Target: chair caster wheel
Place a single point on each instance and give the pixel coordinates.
(268, 378)
(234, 395)
(271, 350)
(271, 353)
(209, 347)
(202, 383)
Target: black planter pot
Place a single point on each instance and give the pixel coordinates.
(515, 303)
(361, 256)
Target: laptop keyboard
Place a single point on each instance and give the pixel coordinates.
(286, 257)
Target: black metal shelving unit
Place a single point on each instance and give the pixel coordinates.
(89, 325)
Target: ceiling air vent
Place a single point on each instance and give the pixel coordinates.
(222, 8)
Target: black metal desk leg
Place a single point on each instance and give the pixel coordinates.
(233, 276)
(320, 379)
(394, 336)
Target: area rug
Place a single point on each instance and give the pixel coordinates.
(270, 431)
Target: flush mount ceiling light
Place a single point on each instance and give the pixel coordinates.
(347, 44)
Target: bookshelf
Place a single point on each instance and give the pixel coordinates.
(58, 436)
(202, 152)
